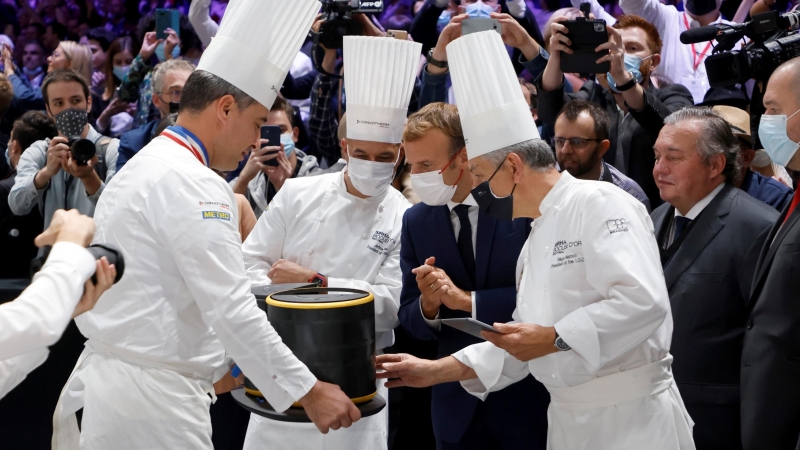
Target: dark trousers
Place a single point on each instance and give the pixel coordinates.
(510, 433)
(716, 427)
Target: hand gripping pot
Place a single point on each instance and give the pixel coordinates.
(332, 331)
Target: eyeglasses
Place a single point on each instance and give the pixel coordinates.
(173, 96)
(576, 143)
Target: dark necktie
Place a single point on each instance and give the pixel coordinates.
(680, 224)
(465, 242)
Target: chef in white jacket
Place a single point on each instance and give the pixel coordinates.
(60, 291)
(343, 229)
(157, 341)
(595, 321)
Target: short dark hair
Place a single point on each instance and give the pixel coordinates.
(203, 88)
(101, 36)
(6, 94)
(282, 105)
(39, 27)
(571, 110)
(59, 29)
(63, 76)
(33, 126)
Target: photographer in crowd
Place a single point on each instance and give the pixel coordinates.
(49, 174)
(635, 107)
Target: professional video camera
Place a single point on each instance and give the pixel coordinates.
(338, 15)
(773, 41)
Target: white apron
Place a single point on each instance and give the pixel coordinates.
(131, 405)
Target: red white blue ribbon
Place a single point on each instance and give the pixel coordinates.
(188, 140)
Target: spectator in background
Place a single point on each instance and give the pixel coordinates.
(54, 33)
(68, 55)
(113, 11)
(47, 172)
(168, 80)
(581, 140)
(33, 63)
(98, 40)
(635, 108)
(113, 117)
(768, 190)
(17, 232)
(31, 32)
(710, 235)
(259, 182)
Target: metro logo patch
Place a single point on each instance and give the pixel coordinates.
(219, 215)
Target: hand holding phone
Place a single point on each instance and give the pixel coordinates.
(273, 135)
(167, 18)
(478, 24)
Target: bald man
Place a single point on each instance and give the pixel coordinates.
(770, 378)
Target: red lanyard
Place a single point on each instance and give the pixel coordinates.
(697, 60)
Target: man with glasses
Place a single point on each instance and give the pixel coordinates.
(636, 108)
(168, 80)
(581, 140)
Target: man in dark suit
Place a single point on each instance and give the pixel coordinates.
(770, 367)
(709, 234)
(459, 262)
(636, 108)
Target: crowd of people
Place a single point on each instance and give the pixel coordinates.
(615, 227)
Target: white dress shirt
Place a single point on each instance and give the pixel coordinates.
(436, 322)
(695, 210)
(38, 317)
(682, 63)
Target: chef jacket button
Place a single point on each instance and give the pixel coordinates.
(554, 376)
(749, 324)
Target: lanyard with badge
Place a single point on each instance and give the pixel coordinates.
(187, 140)
(698, 86)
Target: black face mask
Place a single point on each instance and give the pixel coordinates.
(174, 107)
(700, 7)
(501, 208)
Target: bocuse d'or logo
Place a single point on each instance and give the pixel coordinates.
(562, 246)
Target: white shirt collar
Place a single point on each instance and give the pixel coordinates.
(701, 205)
(469, 201)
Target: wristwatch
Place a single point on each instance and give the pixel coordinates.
(630, 84)
(560, 344)
(319, 279)
(436, 62)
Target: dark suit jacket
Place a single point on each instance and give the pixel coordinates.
(428, 231)
(770, 386)
(768, 190)
(708, 279)
(640, 132)
(134, 140)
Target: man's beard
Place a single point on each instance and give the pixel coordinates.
(585, 167)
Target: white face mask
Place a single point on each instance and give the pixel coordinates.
(371, 178)
(431, 188)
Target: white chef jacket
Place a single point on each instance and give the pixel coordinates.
(184, 296)
(316, 223)
(591, 268)
(38, 317)
(677, 59)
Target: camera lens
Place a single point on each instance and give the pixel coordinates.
(83, 150)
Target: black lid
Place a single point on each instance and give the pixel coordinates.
(262, 292)
(319, 295)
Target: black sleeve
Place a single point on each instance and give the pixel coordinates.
(423, 29)
(298, 88)
(658, 106)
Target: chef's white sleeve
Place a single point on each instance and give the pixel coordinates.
(386, 290)
(14, 370)
(201, 232)
(653, 11)
(623, 265)
(496, 368)
(39, 316)
(264, 246)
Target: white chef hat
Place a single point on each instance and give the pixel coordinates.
(257, 42)
(493, 112)
(379, 76)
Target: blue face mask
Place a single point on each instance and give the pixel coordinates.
(633, 65)
(121, 71)
(288, 143)
(773, 135)
(478, 9)
(444, 19)
(160, 52)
